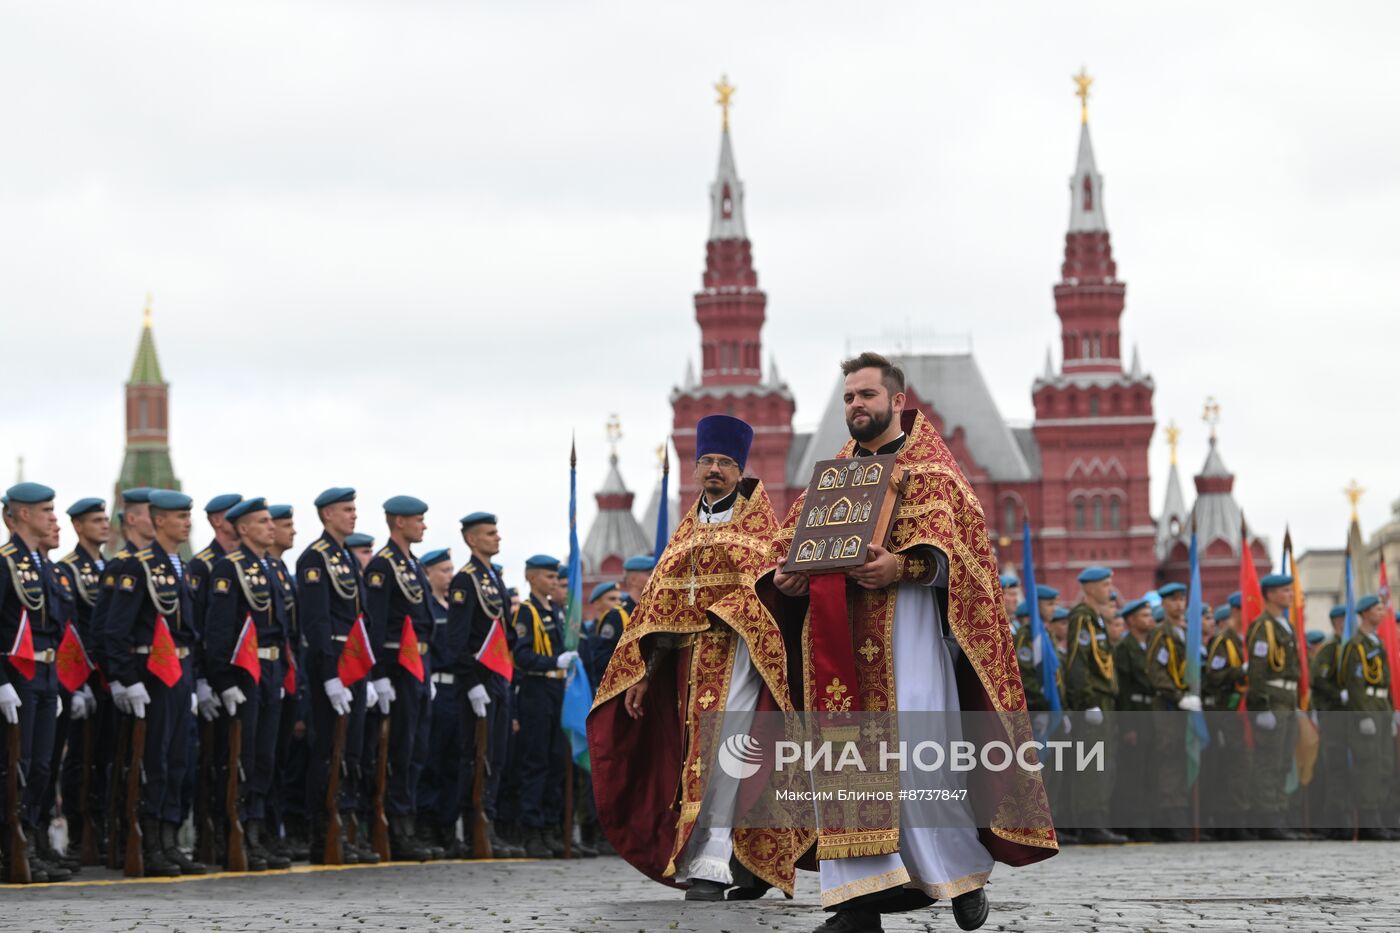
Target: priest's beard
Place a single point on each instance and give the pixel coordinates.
(873, 428)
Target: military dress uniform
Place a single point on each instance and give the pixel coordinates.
(1091, 686)
(1166, 671)
(438, 792)
(286, 801)
(606, 632)
(1326, 699)
(397, 590)
(1131, 807)
(81, 575)
(1366, 673)
(242, 587)
(1272, 700)
(1029, 662)
(157, 590)
(29, 595)
(1224, 683)
(331, 593)
(539, 642)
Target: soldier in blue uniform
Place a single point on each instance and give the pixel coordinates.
(541, 658)
(361, 547)
(153, 592)
(137, 533)
(602, 601)
(1010, 596)
(287, 801)
(437, 789)
(200, 566)
(29, 599)
(397, 594)
(331, 601)
(243, 593)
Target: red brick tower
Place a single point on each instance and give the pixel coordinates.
(730, 311)
(1093, 419)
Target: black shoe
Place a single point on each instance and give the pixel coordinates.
(154, 861)
(702, 889)
(748, 892)
(403, 847)
(581, 849)
(535, 844)
(170, 847)
(1100, 837)
(852, 921)
(52, 856)
(970, 909)
(257, 850)
(555, 844)
(434, 851)
(501, 848)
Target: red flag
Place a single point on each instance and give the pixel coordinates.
(495, 653)
(1389, 635)
(74, 665)
(163, 660)
(356, 658)
(22, 651)
(289, 680)
(1251, 608)
(1300, 630)
(409, 658)
(245, 653)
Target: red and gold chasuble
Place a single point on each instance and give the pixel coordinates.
(650, 775)
(936, 509)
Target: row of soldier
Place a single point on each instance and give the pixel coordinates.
(1117, 658)
(144, 692)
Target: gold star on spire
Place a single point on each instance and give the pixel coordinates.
(1081, 83)
(1211, 414)
(1354, 491)
(614, 433)
(726, 91)
(1173, 433)
(146, 315)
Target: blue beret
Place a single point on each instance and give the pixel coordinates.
(255, 504)
(405, 505)
(639, 562)
(1275, 580)
(1367, 602)
(724, 435)
(563, 573)
(1171, 589)
(1222, 613)
(1337, 612)
(84, 506)
(1094, 574)
(437, 556)
(136, 494)
(359, 539)
(1157, 613)
(542, 562)
(168, 500)
(601, 590)
(512, 591)
(280, 510)
(1315, 638)
(1046, 592)
(1234, 599)
(478, 518)
(1134, 606)
(1009, 580)
(222, 502)
(333, 495)
(1023, 610)
(1061, 613)
(29, 493)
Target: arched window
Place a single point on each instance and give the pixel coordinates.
(1008, 517)
(1088, 193)
(1115, 513)
(1098, 514)
(1079, 514)
(1093, 404)
(143, 417)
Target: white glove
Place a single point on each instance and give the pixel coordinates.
(1093, 716)
(1191, 703)
(432, 690)
(1266, 720)
(58, 706)
(10, 704)
(1367, 726)
(138, 699)
(1067, 724)
(338, 695)
(1345, 696)
(208, 703)
(371, 695)
(194, 705)
(387, 694)
(1040, 722)
(119, 698)
(82, 704)
(478, 698)
(565, 659)
(232, 697)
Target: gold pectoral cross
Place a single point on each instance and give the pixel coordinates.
(691, 587)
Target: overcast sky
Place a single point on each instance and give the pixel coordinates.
(411, 246)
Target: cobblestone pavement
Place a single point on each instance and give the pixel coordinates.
(1237, 886)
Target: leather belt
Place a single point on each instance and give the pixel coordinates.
(46, 656)
(422, 646)
(1377, 692)
(445, 677)
(1282, 684)
(180, 653)
(1140, 698)
(339, 638)
(555, 675)
(269, 654)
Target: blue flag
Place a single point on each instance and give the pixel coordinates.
(1197, 735)
(1350, 628)
(1043, 645)
(663, 509)
(578, 700)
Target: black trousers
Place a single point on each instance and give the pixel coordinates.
(497, 735)
(321, 730)
(410, 719)
(167, 761)
(261, 716)
(38, 722)
(438, 788)
(542, 751)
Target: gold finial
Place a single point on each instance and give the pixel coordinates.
(1211, 414)
(614, 433)
(1173, 433)
(1082, 82)
(1354, 491)
(726, 91)
(146, 315)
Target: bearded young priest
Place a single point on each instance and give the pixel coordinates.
(927, 634)
(699, 649)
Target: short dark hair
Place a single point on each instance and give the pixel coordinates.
(890, 374)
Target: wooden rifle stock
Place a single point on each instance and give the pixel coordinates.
(335, 853)
(87, 844)
(569, 803)
(14, 782)
(481, 842)
(135, 865)
(115, 781)
(379, 832)
(206, 799)
(237, 854)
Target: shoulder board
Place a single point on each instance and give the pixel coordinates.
(71, 559)
(7, 549)
(384, 552)
(236, 556)
(470, 568)
(206, 555)
(123, 554)
(144, 554)
(319, 545)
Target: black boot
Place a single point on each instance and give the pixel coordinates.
(257, 850)
(157, 864)
(170, 848)
(852, 921)
(581, 848)
(535, 844)
(554, 841)
(54, 857)
(502, 847)
(970, 909)
(41, 867)
(403, 847)
(434, 851)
